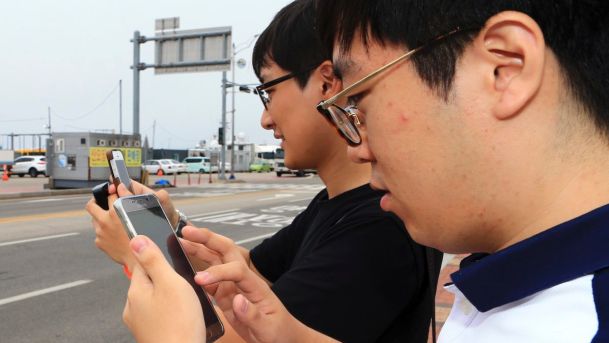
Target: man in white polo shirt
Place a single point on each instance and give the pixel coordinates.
(487, 123)
(490, 134)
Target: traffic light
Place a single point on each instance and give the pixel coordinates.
(221, 135)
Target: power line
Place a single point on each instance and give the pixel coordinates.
(91, 111)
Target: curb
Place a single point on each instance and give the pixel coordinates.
(54, 192)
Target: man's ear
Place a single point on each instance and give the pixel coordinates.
(330, 83)
(513, 49)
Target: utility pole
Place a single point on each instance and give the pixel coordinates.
(223, 146)
(49, 121)
(136, 82)
(120, 106)
(232, 121)
(153, 132)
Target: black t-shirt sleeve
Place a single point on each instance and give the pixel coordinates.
(357, 280)
(274, 255)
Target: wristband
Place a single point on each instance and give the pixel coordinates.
(126, 271)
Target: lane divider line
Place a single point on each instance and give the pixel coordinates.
(39, 239)
(297, 200)
(43, 291)
(195, 216)
(277, 197)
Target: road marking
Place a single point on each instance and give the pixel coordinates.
(255, 238)
(195, 216)
(43, 291)
(54, 199)
(297, 200)
(83, 213)
(277, 196)
(45, 216)
(40, 200)
(39, 239)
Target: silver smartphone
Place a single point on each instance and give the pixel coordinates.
(143, 215)
(118, 169)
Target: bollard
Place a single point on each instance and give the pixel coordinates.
(189, 179)
(199, 182)
(175, 179)
(4, 173)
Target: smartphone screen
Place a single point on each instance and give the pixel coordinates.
(152, 222)
(118, 169)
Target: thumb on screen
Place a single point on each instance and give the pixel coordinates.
(150, 258)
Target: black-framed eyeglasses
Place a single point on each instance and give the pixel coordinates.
(347, 119)
(261, 89)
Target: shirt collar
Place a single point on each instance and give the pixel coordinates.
(563, 253)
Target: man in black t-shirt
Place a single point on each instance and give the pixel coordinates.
(344, 267)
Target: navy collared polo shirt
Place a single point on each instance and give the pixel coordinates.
(552, 287)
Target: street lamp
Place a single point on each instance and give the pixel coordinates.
(241, 63)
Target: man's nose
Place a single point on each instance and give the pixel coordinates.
(266, 121)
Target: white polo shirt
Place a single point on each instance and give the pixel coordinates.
(552, 287)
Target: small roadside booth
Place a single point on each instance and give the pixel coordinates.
(78, 159)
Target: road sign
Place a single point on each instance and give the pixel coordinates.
(167, 24)
(193, 50)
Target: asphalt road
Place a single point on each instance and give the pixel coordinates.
(55, 286)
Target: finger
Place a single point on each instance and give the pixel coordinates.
(200, 251)
(224, 246)
(94, 210)
(111, 188)
(250, 284)
(150, 258)
(212, 289)
(140, 282)
(123, 191)
(247, 313)
(127, 314)
(138, 188)
(111, 199)
(164, 197)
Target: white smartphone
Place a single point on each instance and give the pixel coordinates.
(143, 215)
(118, 169)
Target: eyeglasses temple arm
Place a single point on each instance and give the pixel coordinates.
(332, 100)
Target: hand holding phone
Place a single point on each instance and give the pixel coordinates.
(161, 305)
(143, 214)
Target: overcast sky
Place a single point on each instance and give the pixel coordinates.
(71, 54)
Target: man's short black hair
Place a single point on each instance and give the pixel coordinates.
(577, 32)
(292, 42)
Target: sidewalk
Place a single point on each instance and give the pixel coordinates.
(26, 187)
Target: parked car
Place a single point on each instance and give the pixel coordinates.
(31, 165)
(181, 167)
(166, 167)
(260, 166)
(197, 164)
(281, 169)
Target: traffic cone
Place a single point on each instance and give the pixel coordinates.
(4, 173)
